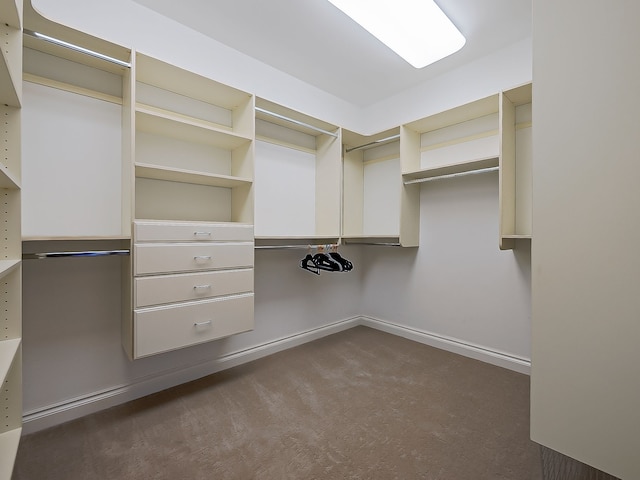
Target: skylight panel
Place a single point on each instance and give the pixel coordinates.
(417, 30)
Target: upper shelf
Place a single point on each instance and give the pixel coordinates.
(11, 13)
(10, 65)
(156, 172)
(163, 122)
(452, 169)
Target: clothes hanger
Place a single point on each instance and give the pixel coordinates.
(344, 263)
(325, 262)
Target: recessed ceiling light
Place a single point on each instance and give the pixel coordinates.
(417, 30)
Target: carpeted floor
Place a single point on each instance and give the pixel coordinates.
(360, 404)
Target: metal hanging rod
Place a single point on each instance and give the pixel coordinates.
(297, 122)
(451, 175)
(85, 253)
(371, 144)
(295, 247)
(76, 48)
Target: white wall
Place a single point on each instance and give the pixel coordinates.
(586, 267)
(73, 359)
(457, 284)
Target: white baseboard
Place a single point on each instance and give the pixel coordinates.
(518, 364)
(71, 409)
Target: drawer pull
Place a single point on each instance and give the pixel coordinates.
(202, 257)
(201, 287)
(202, 324)
(201, 234)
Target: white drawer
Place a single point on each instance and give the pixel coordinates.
(191, 286)
(147, 231)
(184, 257)
(160, 329)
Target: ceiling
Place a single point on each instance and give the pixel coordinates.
(316, 43)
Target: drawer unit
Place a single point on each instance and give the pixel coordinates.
(151, 258)
(160, 329)
(148, 231)
(162, 289)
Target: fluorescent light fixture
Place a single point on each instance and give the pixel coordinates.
(417, 30)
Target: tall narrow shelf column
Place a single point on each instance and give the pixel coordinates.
(10, 245)
(193, 201)
(377, 207)
(298, 176)
(515, 165)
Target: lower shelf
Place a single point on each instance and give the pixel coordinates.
(8, 450)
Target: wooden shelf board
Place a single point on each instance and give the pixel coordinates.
(7, 266)
(7, 179)
(11, 13)
(9, 442)
(295, 240)
(188, 176)
(469, 111)
(462, 167)
(292, 114)
(517, 237)
(75, 238)
(163, 122)
(8, 94)
(371, 239)
(520, 95)
(8, 349)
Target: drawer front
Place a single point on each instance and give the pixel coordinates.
(191, 286)
(160, 329)
(191, 231)
(184, 257)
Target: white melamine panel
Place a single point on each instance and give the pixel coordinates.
(487, 124)
(71, 168)
(10, 65)
(167, 100)
(382, 191)
(160, 329)
(71, 73)
(170, 152)
(163, 200)
(153, 258)
(524, 184)
(191, 286)
(285, 188)
(585, 393)
(483, 147)
(194, 231)
(285, 135)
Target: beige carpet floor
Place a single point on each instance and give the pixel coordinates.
(360, 404)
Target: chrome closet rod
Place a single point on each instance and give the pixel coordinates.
(293, 247)
(297, 122)
(76, 48)
(370, 144)
(85, 253)
(451, 175)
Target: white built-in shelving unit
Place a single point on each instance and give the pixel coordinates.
(191, 276)
(298, 177)
(10, 245)
(516, 156)
(193, 146)
(377, 207)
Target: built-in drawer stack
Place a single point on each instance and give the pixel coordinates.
(193, 283)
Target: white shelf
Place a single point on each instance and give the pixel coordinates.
(300, 240)
(372, 239)
(11, 13)
(7, 266)
(10, 65)
(7, 179)
(8, 450)
(163, 122)
(189, 176)
(456, 168)
(8, 350)
(517, 237)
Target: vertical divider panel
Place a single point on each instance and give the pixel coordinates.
(328, 184)
(507, 172)
(353, 194)
(410, 199)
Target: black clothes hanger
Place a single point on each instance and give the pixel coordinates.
(345, 264)
(308, 264)
(325, 262)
